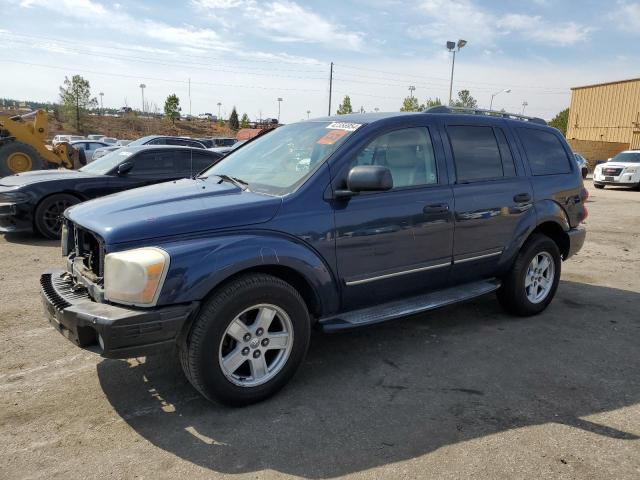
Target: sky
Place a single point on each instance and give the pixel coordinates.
(249, 53)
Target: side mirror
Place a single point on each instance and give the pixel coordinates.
(366, 178)
(609, 159)
(124, 168)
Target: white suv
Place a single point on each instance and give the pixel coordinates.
(622, 170)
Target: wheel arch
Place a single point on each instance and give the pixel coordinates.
(37, 204)
(555, 232)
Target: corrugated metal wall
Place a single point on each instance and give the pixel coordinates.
(608, 113)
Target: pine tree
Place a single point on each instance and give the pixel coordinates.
(345, 106)
(244, 121)
(172, 108)
(410, 104)
(233, 120)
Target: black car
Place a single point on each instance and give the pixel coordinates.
(34, 201)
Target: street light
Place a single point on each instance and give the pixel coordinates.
(506, 90)
(524, 105)
(101, 107)
(219, 105)
(412, 89)
(308, 113)
(376, 109)
(451, 46)
(279, 102)
(142, 87)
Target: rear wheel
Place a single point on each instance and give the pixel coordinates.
(48, 216)
(17, 157)
(531, 283)
(247, 341)
(598, 186)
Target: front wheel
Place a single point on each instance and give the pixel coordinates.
(247, 341)
(48, 215)
(532, 281)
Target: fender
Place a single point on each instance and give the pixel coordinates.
(543, 211)
(198, 265)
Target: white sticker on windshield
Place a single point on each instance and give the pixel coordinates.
(349, 127)
(125, 154)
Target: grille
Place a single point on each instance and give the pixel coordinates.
(86, 244)
(60, 292)
(614, 172)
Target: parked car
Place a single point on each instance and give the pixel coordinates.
(65, 138)
(123, 143)
(226, 150)
(582, 165)
(34, 201)
(223, 141)
(623, 170)
(150, 140)
(207, 142)
(101, 152)
(88, 147)
(109, 140)
(95, 136)
(394, 214)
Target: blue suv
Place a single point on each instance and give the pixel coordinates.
(334, 223)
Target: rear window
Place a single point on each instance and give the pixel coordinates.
(544, 151)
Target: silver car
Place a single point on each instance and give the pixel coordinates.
(89, 147)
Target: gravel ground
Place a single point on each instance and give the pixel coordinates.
(464, 392)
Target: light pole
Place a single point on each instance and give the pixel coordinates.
(506, 90)
(376, 109)
(142, 87)
(219, 105)
(279, 102)
(451, 46)
(412, 89)
(101, 107)
(308, 113)
(524, 105)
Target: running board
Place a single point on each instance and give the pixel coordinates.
(408, 306)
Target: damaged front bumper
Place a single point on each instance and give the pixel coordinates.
(110, 330)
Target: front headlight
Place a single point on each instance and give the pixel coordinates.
(13, 197)
(135, 277)
(631, 170)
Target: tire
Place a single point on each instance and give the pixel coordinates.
(598, 186)
(585, 172)
(210, 346)
(514, 295)
(17, 157)
(48, 215)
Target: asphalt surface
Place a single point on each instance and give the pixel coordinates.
(463, 392)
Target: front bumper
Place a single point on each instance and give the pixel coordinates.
(576, 240)
(15, 217)
(111, 331)
(616, 183)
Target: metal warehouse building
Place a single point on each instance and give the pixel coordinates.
(604, 119)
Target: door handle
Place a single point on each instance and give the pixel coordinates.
(522, 198)
(436, 208)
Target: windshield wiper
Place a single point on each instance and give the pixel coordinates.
(236, 181)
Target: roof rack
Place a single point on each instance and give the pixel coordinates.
(480, 111)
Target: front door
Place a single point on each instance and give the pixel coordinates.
(396, 243)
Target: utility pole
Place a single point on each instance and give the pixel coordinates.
(524, 105)
(330, 86)
(101, 106)
(279, 102)
(451, 46)
(142, 87)
(412, 89)
(219, 105)
(189, 97)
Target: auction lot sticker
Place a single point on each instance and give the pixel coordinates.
(347, 127)
(332, 137)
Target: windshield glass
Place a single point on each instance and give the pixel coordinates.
(627, 157)
(104, 165)
(280, 161)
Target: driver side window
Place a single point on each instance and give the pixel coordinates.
(407, 153)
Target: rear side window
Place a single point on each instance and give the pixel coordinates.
(476, 153)
(544, 151)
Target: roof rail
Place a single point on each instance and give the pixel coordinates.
(480, 111)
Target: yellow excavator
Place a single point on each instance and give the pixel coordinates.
(23, 145)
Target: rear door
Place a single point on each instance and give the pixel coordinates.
(492, 197)
(395, 243)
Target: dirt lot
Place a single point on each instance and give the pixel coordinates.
(465, 392)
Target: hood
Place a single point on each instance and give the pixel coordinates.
(172, 208)
(38, 176)
(619, 164)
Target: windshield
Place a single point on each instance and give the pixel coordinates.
(627, 157)
(104, 165)
(280, 161)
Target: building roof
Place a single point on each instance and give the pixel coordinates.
(607, 83)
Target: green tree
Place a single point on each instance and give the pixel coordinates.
(233, 120)
(75, 96)
(244, 121)
(432, 103)
(345, 106)
(410, 104)
(560, 121)
(172, 108)
(465, 100)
